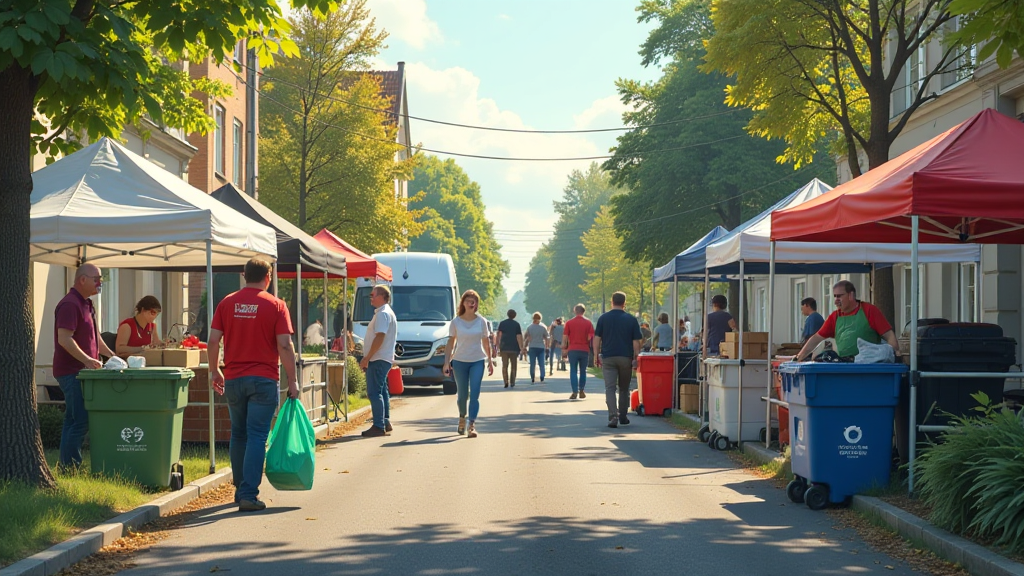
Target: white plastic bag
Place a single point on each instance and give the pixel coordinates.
(115, 363)
(874, 353)
(136, 361)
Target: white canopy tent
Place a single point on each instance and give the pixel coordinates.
(748, 249)
(107, 205)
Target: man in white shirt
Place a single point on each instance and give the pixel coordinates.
(378, 358)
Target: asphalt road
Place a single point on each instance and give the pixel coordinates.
(546, 488)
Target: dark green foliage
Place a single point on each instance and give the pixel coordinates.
(51, 422)
(974, 479)
(356, 378)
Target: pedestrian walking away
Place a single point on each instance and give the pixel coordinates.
(382, 332)
(576, 346)
(510, 346)
(555, 357)
(76, 346)
(617, 341)
(257, 333)
(469, 347)
(536, 346)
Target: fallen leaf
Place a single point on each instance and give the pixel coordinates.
(620, 547)
(310, 518)
(887, 567)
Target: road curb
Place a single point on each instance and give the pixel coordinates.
(324, 431)
(976, 559)
(88, 542)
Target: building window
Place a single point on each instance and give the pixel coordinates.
(799, 293)
(907, 282)
(968, 288)
(909, 82)
(218, 140)
(239, 56)
(961, 67)
(236, 154)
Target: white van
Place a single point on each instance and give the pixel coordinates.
(424, 296)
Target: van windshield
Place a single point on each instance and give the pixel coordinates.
(410, 303)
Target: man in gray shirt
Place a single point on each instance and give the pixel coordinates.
(555, 357)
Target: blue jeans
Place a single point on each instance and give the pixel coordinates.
(76, 421)
(536, 357)
(252, 401)
(578, 360)
(377, 391)
(468, 376)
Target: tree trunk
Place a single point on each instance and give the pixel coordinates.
(21, 449)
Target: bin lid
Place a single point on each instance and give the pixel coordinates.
(842, 368)
(717, 361)
(156, 372)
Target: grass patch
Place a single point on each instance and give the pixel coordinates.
(195, 458)
(36, 519)
(683, 422)
(355, 402)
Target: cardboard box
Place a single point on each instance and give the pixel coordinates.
(154, 357)
(751, 351)
(204, 357)
(748, 337)
(688, 398)
(181, 358)
(335, 381)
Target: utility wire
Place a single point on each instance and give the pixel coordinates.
(495, 129)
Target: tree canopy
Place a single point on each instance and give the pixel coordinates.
(537, 293)
(997, 26)
(327, 148)
(92, 67)
(451, 211)
(607, 271)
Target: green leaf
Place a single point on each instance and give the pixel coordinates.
(8, 36)
(58, 12)
(42, 60)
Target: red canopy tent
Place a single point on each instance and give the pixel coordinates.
(966, 184)
(358, 263)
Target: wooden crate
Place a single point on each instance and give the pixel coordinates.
(748, 337)
(751, 351)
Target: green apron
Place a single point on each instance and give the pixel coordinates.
(849, 328)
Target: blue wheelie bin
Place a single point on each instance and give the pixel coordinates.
(841, 418)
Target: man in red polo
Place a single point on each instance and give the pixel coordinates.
(852, 319)
(76, 345)
(577, 340)
(257, 332)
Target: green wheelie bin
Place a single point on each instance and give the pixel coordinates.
(135, 422)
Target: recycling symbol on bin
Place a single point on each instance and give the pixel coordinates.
(132, 434)
(853, 434)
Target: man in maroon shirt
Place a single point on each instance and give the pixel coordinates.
(257, 330)
(76, 345)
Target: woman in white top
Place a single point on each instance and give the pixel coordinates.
(469, 345)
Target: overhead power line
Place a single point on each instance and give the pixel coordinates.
(495, 129)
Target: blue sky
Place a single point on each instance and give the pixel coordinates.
(525, 64)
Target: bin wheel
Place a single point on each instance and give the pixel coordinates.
(712, 438)
(816, 497)
(795, 490)
(762, 436)
(667, 412)
(177, 482)
(703, 434)
(722, 443)
(449, 388)
(640, 409)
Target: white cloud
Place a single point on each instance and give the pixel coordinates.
(406, 20)
(504, 17)
(603, 113)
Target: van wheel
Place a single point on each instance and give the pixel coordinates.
(450, 388)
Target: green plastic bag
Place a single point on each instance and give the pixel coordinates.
(291, 456)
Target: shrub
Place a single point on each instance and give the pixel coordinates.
(974, 479)
(356, 378)
(51, 422)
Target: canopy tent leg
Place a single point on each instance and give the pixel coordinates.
(273, 286)
(675, 343)
(914, 304)
(323, 393)
(299, 331)
(771, 325)
(739, 380)
(703, 397)
(977, 291)
(209, 330)
(344, 343)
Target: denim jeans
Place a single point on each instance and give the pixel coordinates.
(76, 421)
(252, 401)
(536, 357)
(578, 360)
(468, 376)
(377, 391)
(555, 358)
(617, 371)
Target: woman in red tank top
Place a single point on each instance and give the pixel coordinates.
(139, 332)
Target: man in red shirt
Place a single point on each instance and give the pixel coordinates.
(257, 332)
(852, 319)
(576, 344)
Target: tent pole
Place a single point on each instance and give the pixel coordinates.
(209, 329)
(344, 341)
(275, 291)
(914, 282)
(675, 340)
(739, 379)
(327, 353)
(977, 292)
(771, 326)
(299, 331)
(704, 347)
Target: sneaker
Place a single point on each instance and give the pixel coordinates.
(506, 384)
(471, 432)
(613, 423)
(512, 385)
(573, 397)
(251, 505)
(582, 394)
(623, 420)
(388, 428)
(374, 431)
